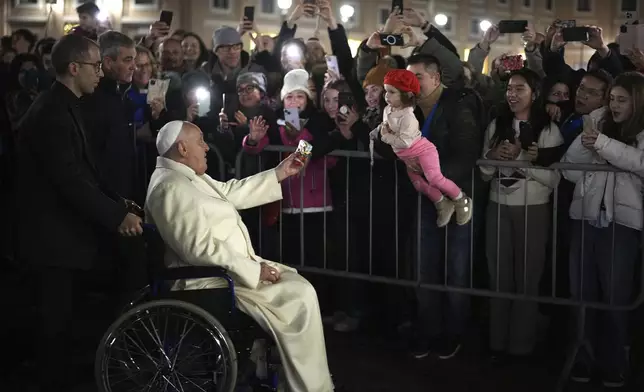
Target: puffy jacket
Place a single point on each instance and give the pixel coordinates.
(619, 195)
(311, 191)
(538, 183)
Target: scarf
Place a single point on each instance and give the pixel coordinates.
(372, 117)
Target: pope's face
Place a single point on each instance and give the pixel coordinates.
(195, 150)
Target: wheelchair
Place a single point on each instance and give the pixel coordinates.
(180, 341)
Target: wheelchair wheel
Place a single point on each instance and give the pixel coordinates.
(166, 345)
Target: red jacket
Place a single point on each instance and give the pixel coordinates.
(311, 190)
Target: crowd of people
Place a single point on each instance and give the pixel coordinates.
(427, 118)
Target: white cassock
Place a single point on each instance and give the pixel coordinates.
(198, 220)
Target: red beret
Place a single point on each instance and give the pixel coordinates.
(403, 80)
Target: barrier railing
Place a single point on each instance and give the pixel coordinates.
(493, 293)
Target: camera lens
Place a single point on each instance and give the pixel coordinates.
(391, 40)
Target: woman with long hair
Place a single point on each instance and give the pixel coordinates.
(195, 53)
(606, 214)
(518, 213)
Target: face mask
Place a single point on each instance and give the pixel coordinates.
(30, 79)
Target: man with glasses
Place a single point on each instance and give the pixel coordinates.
(228, 60)
(64, 206)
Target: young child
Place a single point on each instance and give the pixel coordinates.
(400, 129)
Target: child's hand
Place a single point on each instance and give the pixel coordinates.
(373, 135)
(384, 128)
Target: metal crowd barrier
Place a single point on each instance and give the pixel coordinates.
(581, 305)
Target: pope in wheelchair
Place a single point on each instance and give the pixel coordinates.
(197, 219)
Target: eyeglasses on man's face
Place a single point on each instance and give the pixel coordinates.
(98, 66)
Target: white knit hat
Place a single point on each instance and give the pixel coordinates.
(296, 80)
(168, 136)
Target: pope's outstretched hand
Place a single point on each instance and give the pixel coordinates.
(287, 168)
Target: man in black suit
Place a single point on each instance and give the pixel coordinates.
(65, 211)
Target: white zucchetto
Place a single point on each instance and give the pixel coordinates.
(168, 136)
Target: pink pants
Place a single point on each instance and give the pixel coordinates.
(434, 185)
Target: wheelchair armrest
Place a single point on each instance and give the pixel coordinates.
(179, 273)
(192, 273)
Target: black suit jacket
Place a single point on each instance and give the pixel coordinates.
(108, 115)
(63, 209)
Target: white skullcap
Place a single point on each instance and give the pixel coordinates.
(168, 136)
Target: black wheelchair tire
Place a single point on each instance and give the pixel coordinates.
(228, 384)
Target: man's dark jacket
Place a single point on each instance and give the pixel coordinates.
(63, 207)
(109, 120)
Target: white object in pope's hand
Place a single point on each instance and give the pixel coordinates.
(157, 89)
(202, 95)
(303, 152)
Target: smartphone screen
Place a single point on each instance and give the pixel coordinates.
(512, 26)
(166, 17)
(202, 96)
(249, 13)
(397, 3)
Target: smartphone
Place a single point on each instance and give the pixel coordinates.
(202, 95)
(292, 116)
(512, 63)
(307, 12)
(631, 37)
(513, 26)
(391, 40)
(345, 100)
(397, 3)
(526, 135)
(576, 34)
(249, 13)
(166, 17)
(157, 89)
(629, 16)
(332, 64)
(562, 24)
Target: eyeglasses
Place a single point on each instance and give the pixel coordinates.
(231, 48)
(97, 66)
(247, 90)
(583, 90)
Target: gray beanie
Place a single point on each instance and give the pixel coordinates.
(255, 78)
(225, 36)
